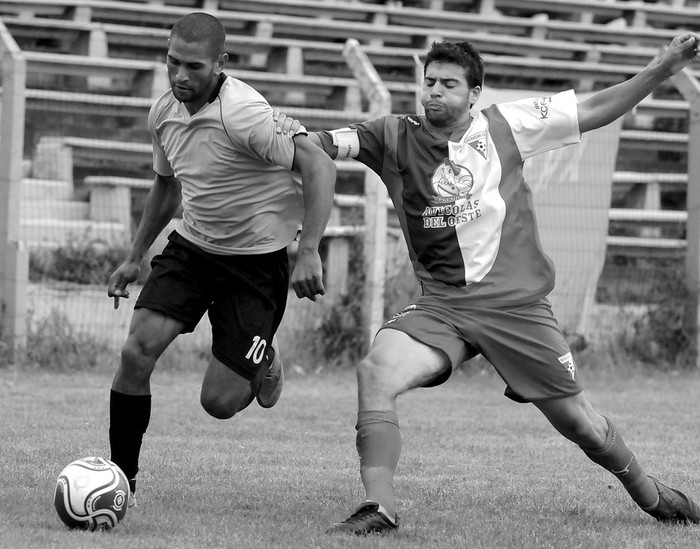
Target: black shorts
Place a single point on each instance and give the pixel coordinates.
(245, 296)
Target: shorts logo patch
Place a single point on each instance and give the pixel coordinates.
(567, 361)
(542, 105)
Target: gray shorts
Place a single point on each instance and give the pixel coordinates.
(522, 342)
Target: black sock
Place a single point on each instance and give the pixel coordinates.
(129, 416)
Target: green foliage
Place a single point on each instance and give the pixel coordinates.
(5, 360)
(665, 337)
(340, 338)
(82, 259)
(54, 344)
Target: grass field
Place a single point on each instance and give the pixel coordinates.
(477, 470)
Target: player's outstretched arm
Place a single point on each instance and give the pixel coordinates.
(318, 183)
(289, 126)
(611, 103)
(161, 204)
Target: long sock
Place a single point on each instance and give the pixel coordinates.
(129, 416)
(617, 458)
(379, 446)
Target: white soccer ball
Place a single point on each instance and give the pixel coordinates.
(92, 493)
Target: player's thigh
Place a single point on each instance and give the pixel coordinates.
(150, 333)
(528, 350)
(397, 362)
(245, 317)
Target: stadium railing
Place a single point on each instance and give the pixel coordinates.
(540, 62)
(635, 12)
(14, 259)
(271, 26)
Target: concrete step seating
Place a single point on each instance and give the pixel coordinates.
(53, 209)
(88, 37)
(52, 232)
(49, 216)
(633, 12)
(636, 12)
(46, 189)
(594, 63)
(95, 104)
(414, 28)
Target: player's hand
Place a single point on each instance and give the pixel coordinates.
(307, 278)
(285, 124)
(126, 273)
(682, 50)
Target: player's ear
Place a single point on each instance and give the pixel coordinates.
(221, 62)
(474, 95)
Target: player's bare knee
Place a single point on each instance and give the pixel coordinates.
(218, 407)
(136, 363)
(575, 418)
(373, 376)
(223, 405)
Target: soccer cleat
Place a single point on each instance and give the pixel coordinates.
(271, 386)
(674, 506)
(369, 518)
(132, 501)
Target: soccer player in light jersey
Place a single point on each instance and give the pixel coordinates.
(456, 182)
(216, 152)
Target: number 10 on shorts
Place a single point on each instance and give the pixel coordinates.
(257, 350)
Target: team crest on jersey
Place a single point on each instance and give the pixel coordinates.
(451, 182)
(478, 143)
(567, 361)
(542, 105)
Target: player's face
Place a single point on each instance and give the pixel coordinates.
(446, 96)
(192, 72)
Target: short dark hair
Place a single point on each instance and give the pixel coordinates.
(201, 27)
(460, 53)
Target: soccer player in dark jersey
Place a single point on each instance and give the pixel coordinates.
(216, 153)
(456, 183)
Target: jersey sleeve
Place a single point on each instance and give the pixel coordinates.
(161, 165)
(252, 129)
(543, 123)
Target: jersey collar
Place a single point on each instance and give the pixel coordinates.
(217, 88)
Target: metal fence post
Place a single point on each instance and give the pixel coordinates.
(14, 262)
(690, 89)
(376, 195)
